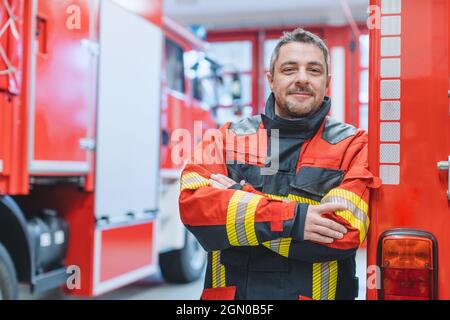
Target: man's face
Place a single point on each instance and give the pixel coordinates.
(299, 81)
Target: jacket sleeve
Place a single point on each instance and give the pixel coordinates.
(219, 218)
(353, 192)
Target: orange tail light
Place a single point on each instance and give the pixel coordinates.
(408, 261)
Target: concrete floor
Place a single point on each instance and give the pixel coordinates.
(154, 288)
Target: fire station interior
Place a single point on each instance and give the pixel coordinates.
(95, 95)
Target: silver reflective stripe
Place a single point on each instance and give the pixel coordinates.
(390, 89)
(275, 245)
(391, 25)
(194, 180)
(390, 68)
(390, 153)
(357, 213)
(325, 280)
(216, 270)
(240, 219)
(390, 174)
(391, 6)
(391, 46)
(246, 126)
(390, 110)
(390, 131)
(218, 277)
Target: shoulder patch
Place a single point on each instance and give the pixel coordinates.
(335, 131)
(246, 126)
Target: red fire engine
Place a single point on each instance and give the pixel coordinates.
(81, 128)
(409, 243)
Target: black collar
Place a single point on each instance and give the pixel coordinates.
(303, 127)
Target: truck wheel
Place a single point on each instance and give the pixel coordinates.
(8, 279)
(185, 265)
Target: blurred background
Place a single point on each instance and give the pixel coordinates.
(103, 101)
(93, 94)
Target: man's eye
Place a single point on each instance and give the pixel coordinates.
(288, 70)
(315, 70)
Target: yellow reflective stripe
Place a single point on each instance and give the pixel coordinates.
(222, 275)
(280, 246)
(231, 217)
(285, 244)
(358, 219)
(214, 268)
(324, 280)
(332, 285)
(358, 213)
(354, 222)
(250, 220)
(193, 181)
(267, 245)
(189, 175)
(316, 281)
(240, 201)
(272, 196)
(351, 196)
(217, 270)
(303, 199)
(241, 213)
(295, 198)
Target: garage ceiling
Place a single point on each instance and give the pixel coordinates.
(222, 14)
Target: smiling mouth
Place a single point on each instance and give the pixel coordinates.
(301, 94)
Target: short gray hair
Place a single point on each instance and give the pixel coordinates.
(298, 35)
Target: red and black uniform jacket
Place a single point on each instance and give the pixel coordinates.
(254, 234)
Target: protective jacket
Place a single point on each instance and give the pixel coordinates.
(254, 234)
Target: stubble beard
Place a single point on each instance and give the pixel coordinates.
(298, 110)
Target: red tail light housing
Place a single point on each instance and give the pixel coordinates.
(408, 262)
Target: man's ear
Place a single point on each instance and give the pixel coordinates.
(328, 81)
(270, 79)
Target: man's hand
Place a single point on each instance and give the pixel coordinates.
(320, 229)
(220, 181)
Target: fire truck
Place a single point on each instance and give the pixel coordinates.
(90, 91)
(409, 130)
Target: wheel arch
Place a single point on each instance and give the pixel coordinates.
(15, 238)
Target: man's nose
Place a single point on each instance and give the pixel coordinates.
(302, 76)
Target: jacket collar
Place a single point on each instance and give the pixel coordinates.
(302, 127)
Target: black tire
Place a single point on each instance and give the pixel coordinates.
(8, 280)
(185, 265)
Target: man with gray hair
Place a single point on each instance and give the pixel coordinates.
(292, 234)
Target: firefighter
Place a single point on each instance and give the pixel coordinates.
(283, 207)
